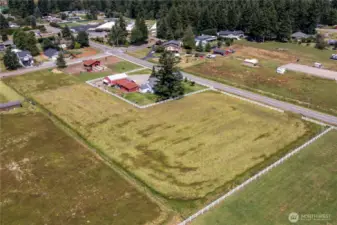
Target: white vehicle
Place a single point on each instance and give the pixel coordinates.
(281, 70)
(211, 56)
(318, 65)
(176, 55)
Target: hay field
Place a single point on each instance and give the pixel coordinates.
(49, 178)
(299, 88)
(182, 149)
(305, 184)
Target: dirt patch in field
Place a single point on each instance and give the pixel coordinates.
(76, 69)
(250, 52)
(87, 52)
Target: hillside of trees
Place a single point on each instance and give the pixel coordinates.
(267, 19)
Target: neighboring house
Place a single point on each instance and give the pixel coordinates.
(130, 26)
(25, 57)
(148, 87)
(90, 64)
(106, 26)
(6, 44)
(51, 53)
(10, 105)
(300, 35)
(172, 46)
(13, 25)
(219, 51)
(236, 34)
(204, 39)
(73, 18)
(88, 27)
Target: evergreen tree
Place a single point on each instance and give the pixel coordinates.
(30, 6)
(37, 12)
(19, 39)
(207, 47)
(136, 35)
(3, 22)
(320, 42)
(199, 47)
(31, 44)
(153, 73)
(284, 30)
(4, 37)
(162, 28)
(66, 33)
(11, 61)
(83, 39)
(47, 43)
(116, 36)
(139, 33)
(60, 62)
(143, 29)
(169, 84)
(122, 26)
(188, 39)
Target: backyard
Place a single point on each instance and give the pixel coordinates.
(305, 184)
(309, 91)
(46, 170)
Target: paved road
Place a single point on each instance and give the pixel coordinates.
(236, 91)
(47, 65)
(327, 74)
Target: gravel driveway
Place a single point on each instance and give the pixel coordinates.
(328, 74)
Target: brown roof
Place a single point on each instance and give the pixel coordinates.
(128, 84)
(89, 62)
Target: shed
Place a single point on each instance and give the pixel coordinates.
(109, 79)
(89, 64)
(9, 105)
(219, 51)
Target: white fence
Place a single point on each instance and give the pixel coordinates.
(136, 105)
(262, 172)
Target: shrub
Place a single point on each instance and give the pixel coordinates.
(159, 49)
(77, 45)
(53, 24)
(188, 51)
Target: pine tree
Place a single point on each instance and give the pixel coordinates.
(66, 33)
(199, 47)
(162, 28)
(207, 47)
(188, 39)
(116, 35)
(11, 61)
(4, 37)
(169, 84)
(31, 44)
(284, 30)
(37, 12)
(320, 42)
(83, 39)
(122, 26)
(19, 39)
(153, 73)
(60, 62)
(3, 22)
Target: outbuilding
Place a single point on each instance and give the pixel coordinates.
(89, 64)
(126, 85)
(110, 79)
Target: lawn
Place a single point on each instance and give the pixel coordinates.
(305, 184)
(49, 178)
(123, 66)
(307, 55)
(7, 94)
(148, 98)
(140, 53)
(2, 65)
(309, 91)
(85, 76)
(140, 72)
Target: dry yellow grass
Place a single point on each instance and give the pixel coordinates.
(182, 149)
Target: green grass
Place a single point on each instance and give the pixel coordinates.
(140, 98)
(306, 184)
(123, 66)
(309, 91)
(307, 55)
(2, 65)
(7, 94)
(148, 98)
(85, 76)
(140, 53)
(141, 72)
(48, 177)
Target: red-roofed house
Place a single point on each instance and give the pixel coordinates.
(126, 85)
(89, 64)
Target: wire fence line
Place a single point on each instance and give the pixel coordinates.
(253, 178)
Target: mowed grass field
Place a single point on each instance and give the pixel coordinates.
(309, 91)
(305, 184)
(49, 178)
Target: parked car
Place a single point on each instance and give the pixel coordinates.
(318, 65)
(210, 56)
(333, 57)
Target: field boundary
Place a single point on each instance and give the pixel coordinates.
(253, 178)
(143, 106)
